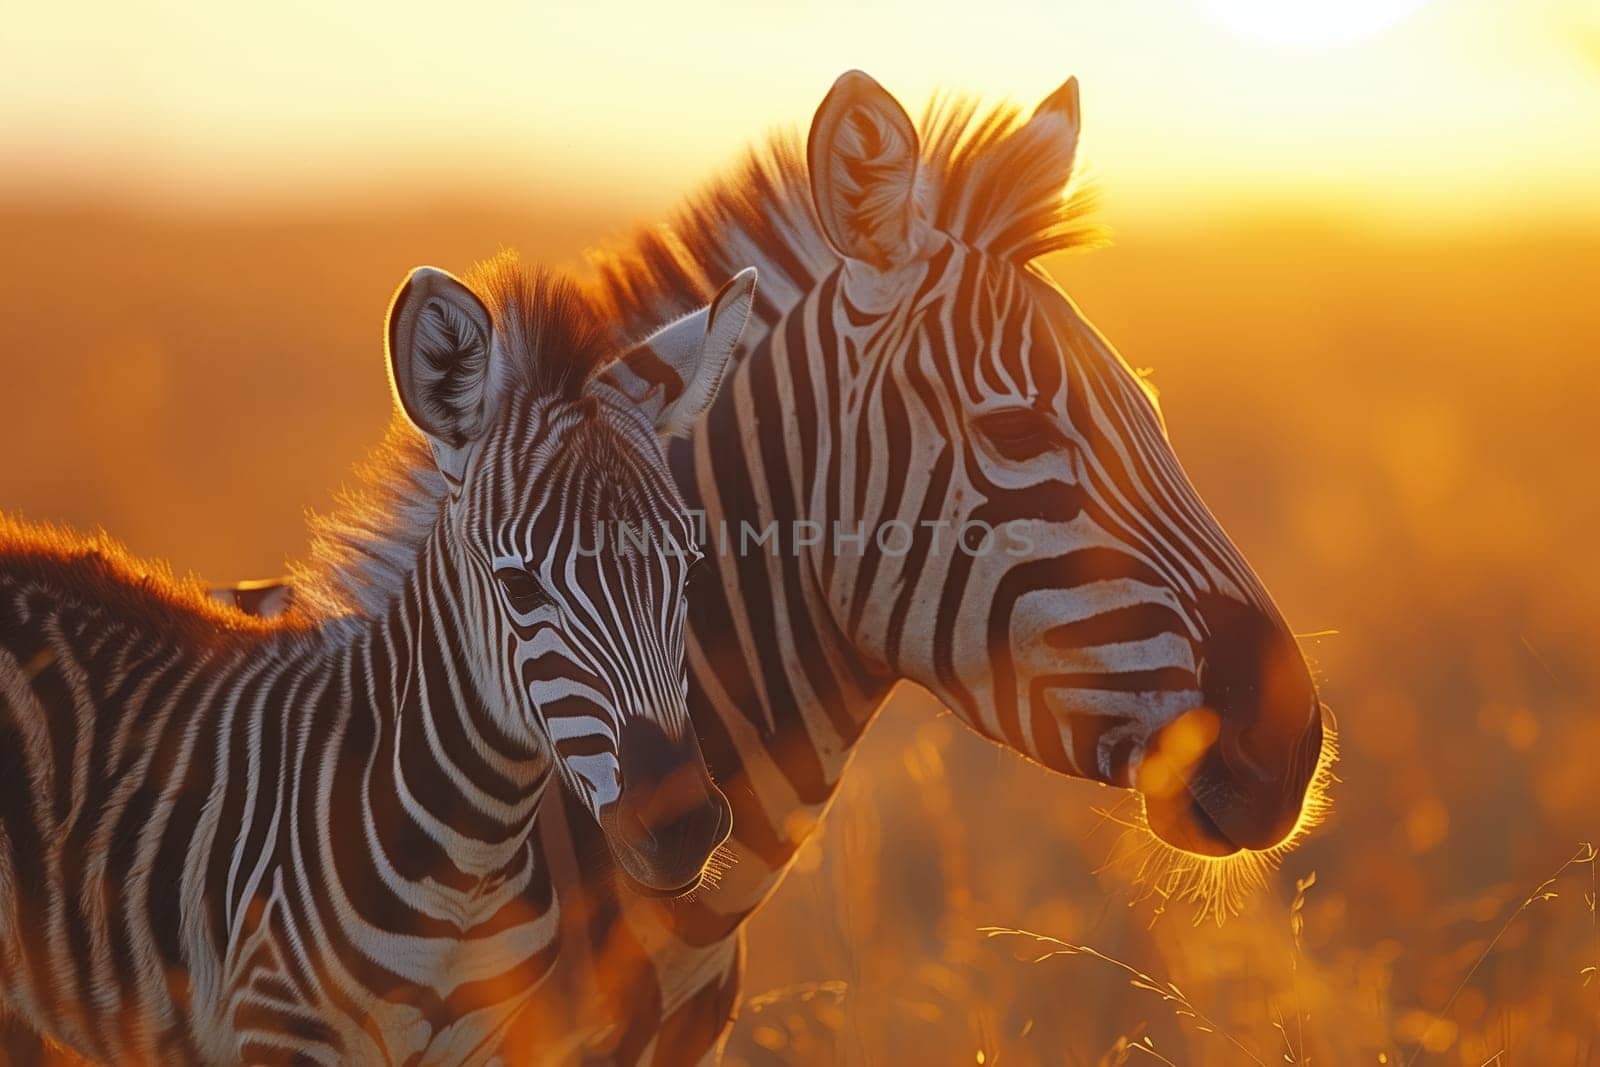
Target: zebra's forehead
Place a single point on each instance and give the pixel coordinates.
(581, 466)
(1091, 360)
(1035, 344)
(1031, 337)
(1001, 330)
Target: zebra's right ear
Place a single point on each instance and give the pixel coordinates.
(862, 155)
(674, 374)
(441, 356)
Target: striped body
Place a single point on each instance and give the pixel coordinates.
(227, 843)
(954, 385)
(317, 841)
(926, 465)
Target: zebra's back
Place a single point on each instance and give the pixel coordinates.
(102, 789)
(166, 809)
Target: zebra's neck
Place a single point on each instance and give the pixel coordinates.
(778, 693)
(786, 681)
(412, 817)
(458, 790)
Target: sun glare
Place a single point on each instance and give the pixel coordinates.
(1311, 22)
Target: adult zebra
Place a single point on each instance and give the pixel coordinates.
(911, 372)
(223, 840)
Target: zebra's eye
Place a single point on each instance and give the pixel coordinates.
(1018, 434)
(522, 590)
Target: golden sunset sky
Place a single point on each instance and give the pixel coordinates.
(1399, 112)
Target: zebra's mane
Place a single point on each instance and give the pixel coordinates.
(987, 177)
(97, 571)
(365, 548)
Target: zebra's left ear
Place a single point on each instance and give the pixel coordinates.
(1062, 106)
(1024, 177)
(1051, 138)
(673, 375)
(442, 362)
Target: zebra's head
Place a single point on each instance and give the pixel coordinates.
(1034, 554)
(582, 632)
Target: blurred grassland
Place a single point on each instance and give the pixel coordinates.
(1401, 433)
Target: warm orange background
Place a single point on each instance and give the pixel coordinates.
(1360, 252)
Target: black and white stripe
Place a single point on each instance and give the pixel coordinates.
(913, 366)
(317, 840)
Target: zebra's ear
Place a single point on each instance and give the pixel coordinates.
(862, 155)
(673, 375)
(441, 355)
(1062, 105)
(1054, 127)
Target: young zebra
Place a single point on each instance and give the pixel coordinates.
(913, 381)
(317, 842)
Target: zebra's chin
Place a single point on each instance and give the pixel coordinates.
(1177, 850)
(1183, 822)
(670, 864)
(1202, 798)
(650, 892)
(665, 829)
(642, 879)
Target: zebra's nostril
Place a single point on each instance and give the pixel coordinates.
(637, 828)
(1255, 678)
(1243, 783)
(1245, 765)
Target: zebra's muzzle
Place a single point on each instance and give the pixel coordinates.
(1203, 797)
(1233, 773)
(669, 817)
